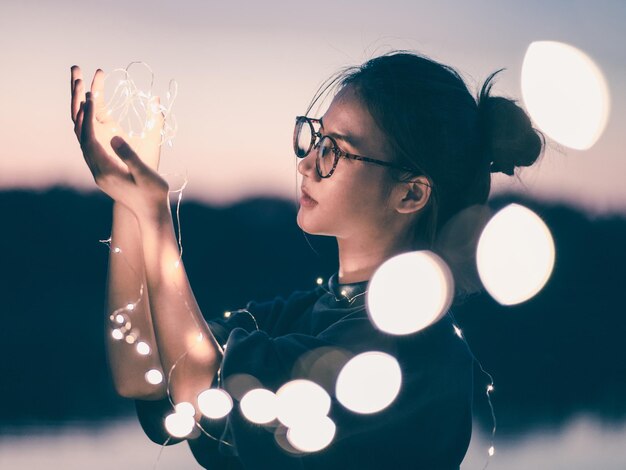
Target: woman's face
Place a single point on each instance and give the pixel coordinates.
(352, 203)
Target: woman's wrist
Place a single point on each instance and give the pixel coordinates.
(156, 216)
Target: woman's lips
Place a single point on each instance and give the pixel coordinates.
(307, 200)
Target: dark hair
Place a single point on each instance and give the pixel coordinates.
(435, 125)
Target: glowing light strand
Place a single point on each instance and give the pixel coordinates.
(489, 389)
(128, 103)
(320, 282)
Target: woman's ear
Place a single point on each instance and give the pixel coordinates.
(414, 195)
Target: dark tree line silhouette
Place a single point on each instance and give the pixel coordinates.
(555, 355)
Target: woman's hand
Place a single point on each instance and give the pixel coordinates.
(129, 179)
(147, 146)
(126, 179)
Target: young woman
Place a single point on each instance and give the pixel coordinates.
(402, 149)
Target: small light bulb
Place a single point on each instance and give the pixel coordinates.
(343, 292)
(226, 314)
(458, 332)
(117, 334)
(154, 376)
(490, 388)
(130, 307)
(320, 281)
(491, 451)
(179, 424)
(116, 249)
(185, 408)
(130, 339)
(119, 318)
(143, 348)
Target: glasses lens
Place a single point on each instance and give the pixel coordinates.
(302, 138)
(325, 156)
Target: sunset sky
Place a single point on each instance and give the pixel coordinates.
(245, 70)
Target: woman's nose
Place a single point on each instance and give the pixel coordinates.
(306, 165)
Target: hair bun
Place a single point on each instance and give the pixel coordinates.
(507, 136)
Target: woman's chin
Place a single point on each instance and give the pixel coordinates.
(304, 221)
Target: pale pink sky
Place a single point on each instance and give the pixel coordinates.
(260, 63)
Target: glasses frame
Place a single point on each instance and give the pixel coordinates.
(336, 150)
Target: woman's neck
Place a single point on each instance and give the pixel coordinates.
(359, 260)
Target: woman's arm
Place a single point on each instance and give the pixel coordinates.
(186, 345)
(126, 277)
(189, 353)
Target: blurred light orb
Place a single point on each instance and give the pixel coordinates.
(154, 376)
(301, 401)
(259, 406)
(312, 436)
(143, 348)
(215, 403)
(565, 93)
(515, 255)
(179, 424)
(185, 408)
(409, 292)
(117, 334)
(369, 382)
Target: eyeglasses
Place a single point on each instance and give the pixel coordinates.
(328, 153)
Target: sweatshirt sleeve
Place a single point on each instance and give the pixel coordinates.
(254, 316)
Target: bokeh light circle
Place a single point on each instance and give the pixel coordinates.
(179, 424)
(215, 403)
(185, 408)
(565, 93)
(515, 255)
(312, 436)
(259, 406)
(154, 376)
(409, 292)
(301, 401)
(369, 382)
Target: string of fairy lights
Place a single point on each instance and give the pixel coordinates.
(301, 407)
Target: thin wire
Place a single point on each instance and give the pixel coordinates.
(459, 333)
(160, 452)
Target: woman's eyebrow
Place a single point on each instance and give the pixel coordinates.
(350, 140)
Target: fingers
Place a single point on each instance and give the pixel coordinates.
(75, 74)
(78, 122)
(97, 158)
(127, 154)
(78, 92)
(97, 92)
(87, 131)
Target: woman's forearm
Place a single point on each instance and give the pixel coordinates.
(125, 278)
(185, 342)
